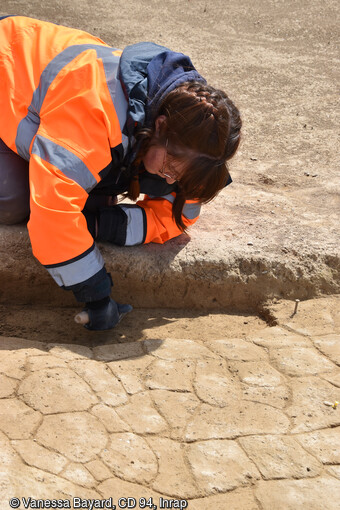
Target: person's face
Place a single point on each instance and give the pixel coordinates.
(157, 161)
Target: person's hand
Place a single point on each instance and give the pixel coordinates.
(105, 317)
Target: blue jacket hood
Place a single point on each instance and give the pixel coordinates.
(148, 72)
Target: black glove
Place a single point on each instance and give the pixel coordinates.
(105, 314)
(112, 225)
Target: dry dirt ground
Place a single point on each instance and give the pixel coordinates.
(213, 412)
(275, 230)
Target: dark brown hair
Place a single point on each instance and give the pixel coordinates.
(202, 128)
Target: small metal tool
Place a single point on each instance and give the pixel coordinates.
(297, 301)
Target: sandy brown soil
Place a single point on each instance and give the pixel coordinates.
(46, 324)
(56, 325)
(262, 437)
(275, 230)
(219, 411)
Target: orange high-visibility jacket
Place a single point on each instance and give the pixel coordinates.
(63, 109)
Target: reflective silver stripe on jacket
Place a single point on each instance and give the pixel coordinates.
(190, 211)
(121, 106)
(78, 271)
(29, 125)
(135, 224)
(71, 166)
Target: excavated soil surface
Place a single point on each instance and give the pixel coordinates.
(225, 411)
(275, 231)
(46, 324)
(213, 412)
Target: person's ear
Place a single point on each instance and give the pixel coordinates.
(158, 122)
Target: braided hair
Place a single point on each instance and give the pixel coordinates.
(202, 130)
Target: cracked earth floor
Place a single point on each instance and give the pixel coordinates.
(221, 410)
